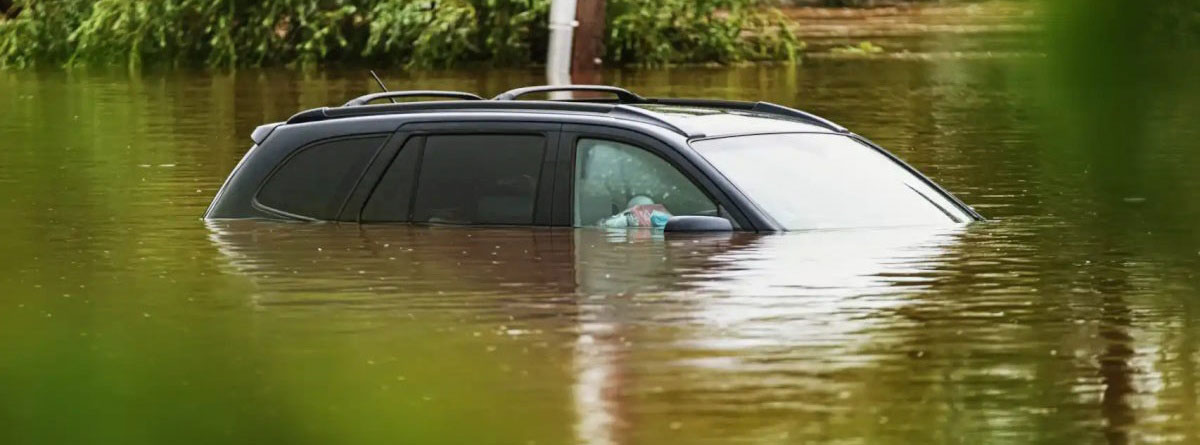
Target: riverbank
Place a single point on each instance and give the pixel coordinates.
(997, 27)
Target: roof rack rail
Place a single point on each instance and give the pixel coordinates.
(367, 98)
(773, 108)
(623, 95)
(508, 101)
(618, 110)
(650, 115)
(756, 107)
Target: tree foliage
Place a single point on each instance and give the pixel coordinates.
(668, 31)
(414, 32)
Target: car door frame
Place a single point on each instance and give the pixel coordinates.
(544, 204)
(564, 190)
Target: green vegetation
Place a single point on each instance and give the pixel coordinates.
(863, 48)
(667, 31)
(419, 33)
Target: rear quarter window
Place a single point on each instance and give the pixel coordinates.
(314, 181)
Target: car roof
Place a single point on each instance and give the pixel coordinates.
(692, 118)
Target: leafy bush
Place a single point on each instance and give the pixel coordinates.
(671, 31)
(453, 32)
(416, 32)
(863, 48)
(40, 32)
(219, 32)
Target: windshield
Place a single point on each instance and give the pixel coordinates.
(823, 181)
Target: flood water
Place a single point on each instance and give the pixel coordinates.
(1070, 317)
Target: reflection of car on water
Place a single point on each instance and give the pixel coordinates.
(678, 164)
(651, 320)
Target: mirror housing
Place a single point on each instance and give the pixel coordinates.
(698, 224)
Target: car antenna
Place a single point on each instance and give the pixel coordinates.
(381, 85)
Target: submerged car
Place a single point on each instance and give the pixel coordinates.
(629, 161)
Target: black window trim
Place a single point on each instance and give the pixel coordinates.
(369, 188)
(257, 205)
(550, 132)
(418, 164)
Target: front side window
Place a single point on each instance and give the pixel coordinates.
(619, 185)
(314, 182)
(477, 179)
(823, 181)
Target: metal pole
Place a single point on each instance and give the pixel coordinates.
(558, 53)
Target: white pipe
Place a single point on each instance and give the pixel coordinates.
(558, 52)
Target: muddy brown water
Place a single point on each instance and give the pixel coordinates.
(1069, 317)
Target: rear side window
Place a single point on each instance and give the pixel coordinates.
(462, 179)
(315, 181)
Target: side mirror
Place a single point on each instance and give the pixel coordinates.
(698, 224)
